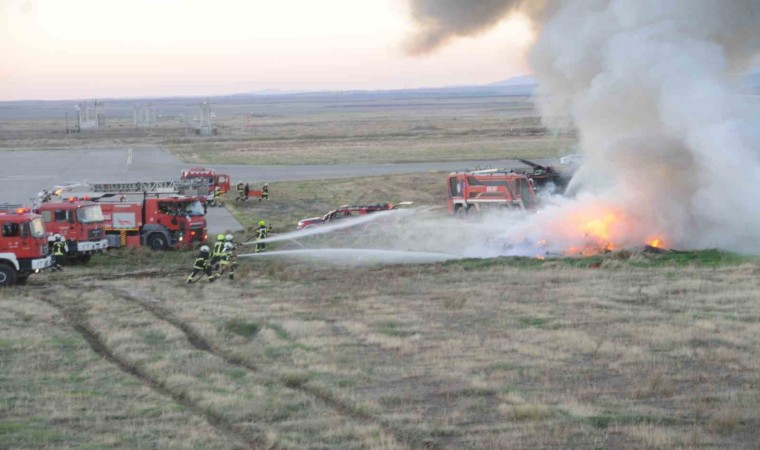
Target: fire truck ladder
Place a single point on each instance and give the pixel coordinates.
(11, 206)
(144, 186)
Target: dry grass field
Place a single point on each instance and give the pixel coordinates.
(638, 353)
(329, 130)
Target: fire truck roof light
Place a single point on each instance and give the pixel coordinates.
(20, 211)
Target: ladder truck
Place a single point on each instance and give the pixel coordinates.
(152, 213)
(23, 246)
(78, 221)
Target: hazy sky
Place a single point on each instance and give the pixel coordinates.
(55, 49)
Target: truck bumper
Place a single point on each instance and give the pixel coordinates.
(41, 263)
(92, 246)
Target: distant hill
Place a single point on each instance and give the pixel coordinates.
(525, 80)
(516, 86)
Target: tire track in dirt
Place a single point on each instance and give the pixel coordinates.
(75, 317)
(343, 408)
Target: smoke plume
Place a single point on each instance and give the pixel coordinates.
(671, 146)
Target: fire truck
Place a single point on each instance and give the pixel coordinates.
(149, 213)
(79, 221)
(23, 246)
(474, 191)
(210, 178)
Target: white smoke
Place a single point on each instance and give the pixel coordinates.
(653, 88)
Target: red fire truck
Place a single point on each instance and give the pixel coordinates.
(79, 221)
(23, 246)
(473, 191)
(210, 177)
(148, 213)
(159, 221)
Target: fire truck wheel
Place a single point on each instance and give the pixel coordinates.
(460, 212)
(157, 242)
(7, 276)
(84, 259)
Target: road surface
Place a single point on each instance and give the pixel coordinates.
(24, 173)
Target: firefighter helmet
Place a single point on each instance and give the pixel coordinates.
(229, 238)
(219, 237)
(205, 249)
(262, 223)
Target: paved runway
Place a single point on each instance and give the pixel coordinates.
(24, 173)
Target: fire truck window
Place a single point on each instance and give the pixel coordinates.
(473, 182)
(525, 193)
(61, 215)
(10, 229)
(24, 230)
(167, 208)
(453, 188)
(47, 216)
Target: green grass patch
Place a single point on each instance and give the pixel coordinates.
(33, 432)
(533, 322)
(393, 328)
(697, 258)
(154, 338)
(244, 328)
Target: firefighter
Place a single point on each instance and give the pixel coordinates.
(247, 191)
(261, 233)
(228, 260)
(264, 192)
(240, 192)
(217, 196)
(202, 265)
(60, 249)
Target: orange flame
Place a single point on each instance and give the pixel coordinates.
(599, 228)
(656, 243)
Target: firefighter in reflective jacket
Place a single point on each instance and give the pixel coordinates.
(228, 260)
(202, 265)
(264, 192)
(216, 200)
(240, 192)
(261, 233)
(60, 249)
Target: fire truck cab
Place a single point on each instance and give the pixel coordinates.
(23, 246)
(471, 191)
(210, 177)
(79, 221)
(157, 221)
